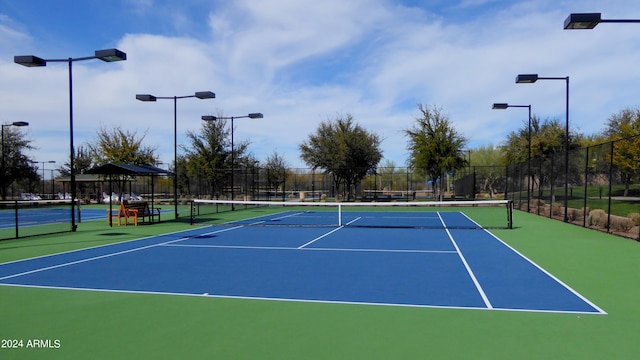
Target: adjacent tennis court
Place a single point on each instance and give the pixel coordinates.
(447, 265)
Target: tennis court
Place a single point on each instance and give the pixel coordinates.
(442, 263)
(28, 218)
(141, 290)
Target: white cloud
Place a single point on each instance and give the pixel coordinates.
(302, 62)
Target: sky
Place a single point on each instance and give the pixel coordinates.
(301, 62)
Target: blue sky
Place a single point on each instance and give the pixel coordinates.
(301, 62)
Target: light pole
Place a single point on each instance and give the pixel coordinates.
(588, 21)
(52, 185)
(108, 55)
(233, 155)
(502, 106)
(530, 79)
(15, 123)
(199, 95)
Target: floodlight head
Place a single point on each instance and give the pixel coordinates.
(20, 123)
(145, 97)
(29, 60)
(110, 55)
(582, 21)
(500, 106)
(526, 78)
(205, 95)
(256, 115)
(209, 118)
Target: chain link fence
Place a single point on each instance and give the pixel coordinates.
(595, 186)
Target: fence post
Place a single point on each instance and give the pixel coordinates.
(586, 188)
(610, 187)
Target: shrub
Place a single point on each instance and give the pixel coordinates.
(556, 209)
(597, 217)
(576, 214)
(537, 202)
(621, 223)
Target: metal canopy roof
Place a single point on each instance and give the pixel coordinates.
(126, 169)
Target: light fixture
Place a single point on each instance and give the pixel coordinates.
(233, 157)
(199, 95)
(108, 55)
(588, 21)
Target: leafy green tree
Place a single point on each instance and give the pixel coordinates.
(435, 147)
(624, 129)
(547, 138)
(184, 174)
(547, 142)
(17, 167)
(488, 162)
(344, 149)
(121, 146)
(276, 170)
(83, 161)
(209, 154)
(115, 145)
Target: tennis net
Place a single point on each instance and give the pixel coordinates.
(28, 218)
(488, 214)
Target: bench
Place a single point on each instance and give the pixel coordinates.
(134, 210)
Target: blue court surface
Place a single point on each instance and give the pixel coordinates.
(35, 216)
(448, 268)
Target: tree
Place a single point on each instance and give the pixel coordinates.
(276, 168)
(547, 142)
(83, 161)
(209, 155)
(435, 147)
(17, 167)
(115, 145)
(121, 146)
(624, 129)
(547, 138)
(488, 163)
(344, 149)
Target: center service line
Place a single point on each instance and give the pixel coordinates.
(466, 265)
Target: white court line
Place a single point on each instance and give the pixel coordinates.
(540, 268)
(240, 221)
(238, 297)
(466, 265)
(311, 249)
(108, 255)
(320, 237)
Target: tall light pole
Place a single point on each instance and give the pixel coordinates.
(529, 79)
(233, 155)
(108, 55)
(199, 95)
(502, 106)
(15, 123)
(588, 21)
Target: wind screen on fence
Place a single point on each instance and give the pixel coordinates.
(429, 215)
(28, 218)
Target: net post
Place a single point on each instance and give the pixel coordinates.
(191, 212)
(339, 214)
(15, 207)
